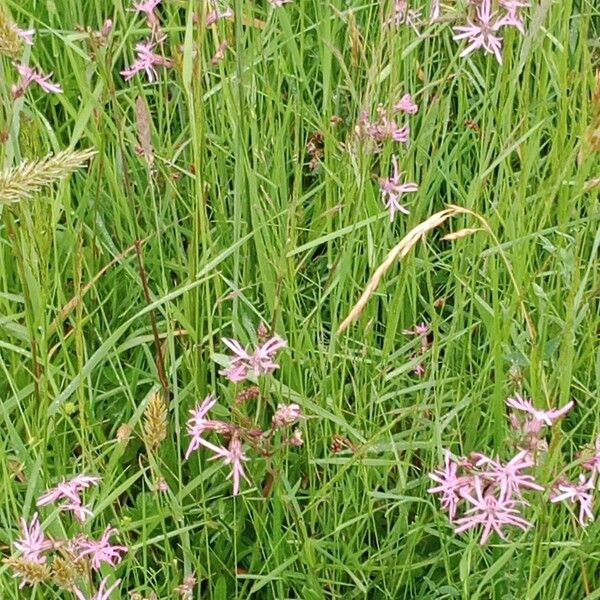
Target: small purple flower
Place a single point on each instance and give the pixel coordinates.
(146, 61)
(452, 487)
(286, 414)
(101, 550)
(481, 32)
(406, 104)
(392, 190)
(26, 35)
(580, 493)
(29, 76)
(513, 17)
(233, 455)
(103, 592)
(260, 362)
(34, 543)
(147, 7)
(492, 510)
(197, 424)
(548, 417)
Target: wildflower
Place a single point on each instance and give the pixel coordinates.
(242, 363)
(481, 32)
(548, 417)
(197, 424)
(406, 104)
(233, 456)
(392, 190)
(70, 491)
(491, 510)
(578, 493)
(279, 2)
(404, 15)
(434, 14)
(146, 60)
(296, 438)
(162, 485)
(513, 17)
(186, 589)
(592, 463)
(29, 76)
(147, 7)
(214, 15)
(101, 550)
(33, 543)
(508, 477)
(420, 329)
(103, 592)
(452, 486)
(419, 370)
(26, 35)
(286, 414)
(219, 55)
(385, 128)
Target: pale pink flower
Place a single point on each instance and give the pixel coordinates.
(406, 104)
(392, 190)
(419, 370)
(434, 14)
(214, 15)
(186, 589)
(29, 76)
(68, 489)
(286, 414)
(198, 423)
(481, 32)
(580, 493)
(80, 512)
(26, 35)
(420, 329)
(387, 129)
(548, 417)
(296, 438)
(34, 543)
(490, 510)
(220, 53)
(260, 362)
(233, 455)
(103, 592)
(101, 550)
(404, 15)
(146, 61)
(513, 17)
(508, 476)
(593, 463)
(147, 7)
(451, 486)
(279, 2)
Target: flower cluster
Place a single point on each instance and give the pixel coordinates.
(484, 25)
(70, 566)
(147, 58)
(242, 364)
(485, 491)
(422, 331)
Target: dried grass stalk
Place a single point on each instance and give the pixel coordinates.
(144, 129)
(406, 244)
(31, 176)
(155, 421)
(10, 43)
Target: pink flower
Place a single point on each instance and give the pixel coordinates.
(387, 129)
(214, 15)
(103, 593)
(513, 17)
(420, 329)
(233, 456)
(220, 53)
(29, 76)
(407, 105)
(481, 32)
(434, 14)
(593, 463)
(260, 362)
(286, 414)
(452, 487)
(403, 15)
(392, 190)
(547, 417)
(490, 510)
(25, 34)
(197, 424)
(70, 491)
(508, 477)
(578, 493)
(296, 438)
(33, 543)
(101, 550)
(146, 60)
(147, 7)
(279, 2)
(186, 589)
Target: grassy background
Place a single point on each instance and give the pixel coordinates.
(235, 227)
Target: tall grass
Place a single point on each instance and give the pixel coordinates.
(208, 171)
